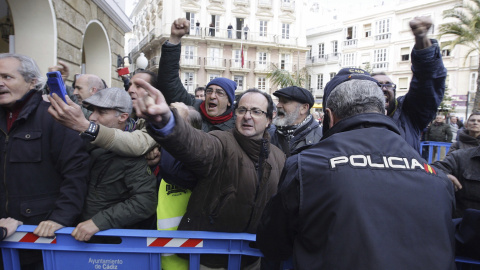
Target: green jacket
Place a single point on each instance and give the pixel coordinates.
(121, 191)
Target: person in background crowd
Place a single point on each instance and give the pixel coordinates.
(418, 107)
(121, 190)
(197, 28)
(217, 109)
(44, 165)
(238, 169)
(469, 136)
(229, 30)
(361, 197)
(454, 127)
(439, 132)
(296, 129)
(200, 93)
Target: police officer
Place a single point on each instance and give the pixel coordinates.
(361, 198)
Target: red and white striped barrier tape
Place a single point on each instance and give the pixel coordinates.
(174, 242)
(25, 237)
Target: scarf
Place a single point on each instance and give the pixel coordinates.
(214, 120)
(130, 125)
(288, 131)
(13, 113)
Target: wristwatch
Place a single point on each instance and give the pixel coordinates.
(91, 132)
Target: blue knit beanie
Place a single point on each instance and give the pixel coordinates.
(228, 85)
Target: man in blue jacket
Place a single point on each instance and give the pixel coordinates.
(361, 198)
(413, 111)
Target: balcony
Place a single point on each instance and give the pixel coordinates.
(383, 37)
(350, 43)
(317, 60)
(236, 65)
(190, 61)
(380, 66)
(265, 3)
(333, 57)
(215, 63)
(261, 67)
(245, 3)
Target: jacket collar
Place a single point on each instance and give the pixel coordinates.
(254, 148)
(364, 120)
(476, 152)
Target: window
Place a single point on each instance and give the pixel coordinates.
(285, 31)
(351, 32)
(239, 81)
(309, 53)
(332, 74)
(382, 29)
(285, 61)
(263, 28)
(445, 48)
(405, 53)
(321, 50)
(262, 83)
(262, 58)
(189, 55)
(380, 58)
(309, 82)
(213, 76)
(192, 18)
(215, 59)
(473, 82)
(216, 22)
(403, 83)
(348, 60)
(334, 47)
(237, 58)
(367, 28)
(320, 81)
(188, 81)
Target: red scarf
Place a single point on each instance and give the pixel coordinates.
(214, 120)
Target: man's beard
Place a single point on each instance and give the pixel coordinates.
(392, 104)
(288, 119)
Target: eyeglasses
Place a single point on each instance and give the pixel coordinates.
(388, 86)
(253, 112)
(218, 92)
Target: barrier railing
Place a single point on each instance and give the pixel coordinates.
(137, 249)
(429, 146)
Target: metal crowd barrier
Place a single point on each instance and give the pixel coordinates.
(139, 249)
(428, 145)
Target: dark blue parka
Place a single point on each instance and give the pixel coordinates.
(361, 198)
(419, 106)
(44, 167)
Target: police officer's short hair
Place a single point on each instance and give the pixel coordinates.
(355, 97)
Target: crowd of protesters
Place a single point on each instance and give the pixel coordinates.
(350, 192)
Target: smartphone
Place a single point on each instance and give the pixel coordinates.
(56, 85)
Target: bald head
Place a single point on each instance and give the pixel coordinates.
(86, 85)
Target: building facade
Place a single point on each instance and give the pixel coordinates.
(264, 33)
(88, 35)
(378, 39)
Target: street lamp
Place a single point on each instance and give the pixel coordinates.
(142, 61)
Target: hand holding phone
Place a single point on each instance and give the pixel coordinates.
(56, 85)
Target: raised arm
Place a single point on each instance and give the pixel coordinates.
(428, 82)
(169, 82)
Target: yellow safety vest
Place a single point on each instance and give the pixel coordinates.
(172, 205)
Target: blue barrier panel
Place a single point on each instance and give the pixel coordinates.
(139, 249)
(430, 145)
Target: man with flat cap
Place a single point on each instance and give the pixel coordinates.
(361, 198)
(296, 128)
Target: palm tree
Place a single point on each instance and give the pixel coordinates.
(466, 30)
(283, 78)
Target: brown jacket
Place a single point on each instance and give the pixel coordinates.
(228, 197)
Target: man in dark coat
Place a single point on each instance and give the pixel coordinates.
(361, 198)
(295, 127)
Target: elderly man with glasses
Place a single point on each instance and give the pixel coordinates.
(237, 170)
(418, 107)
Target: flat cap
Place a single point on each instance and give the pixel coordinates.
(296, 93)
(110, 98)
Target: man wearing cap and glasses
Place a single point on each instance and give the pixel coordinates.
(237, 170)
(122, 190)
(361, 198)
(413, 111)
(217, 109)
(295, 126)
